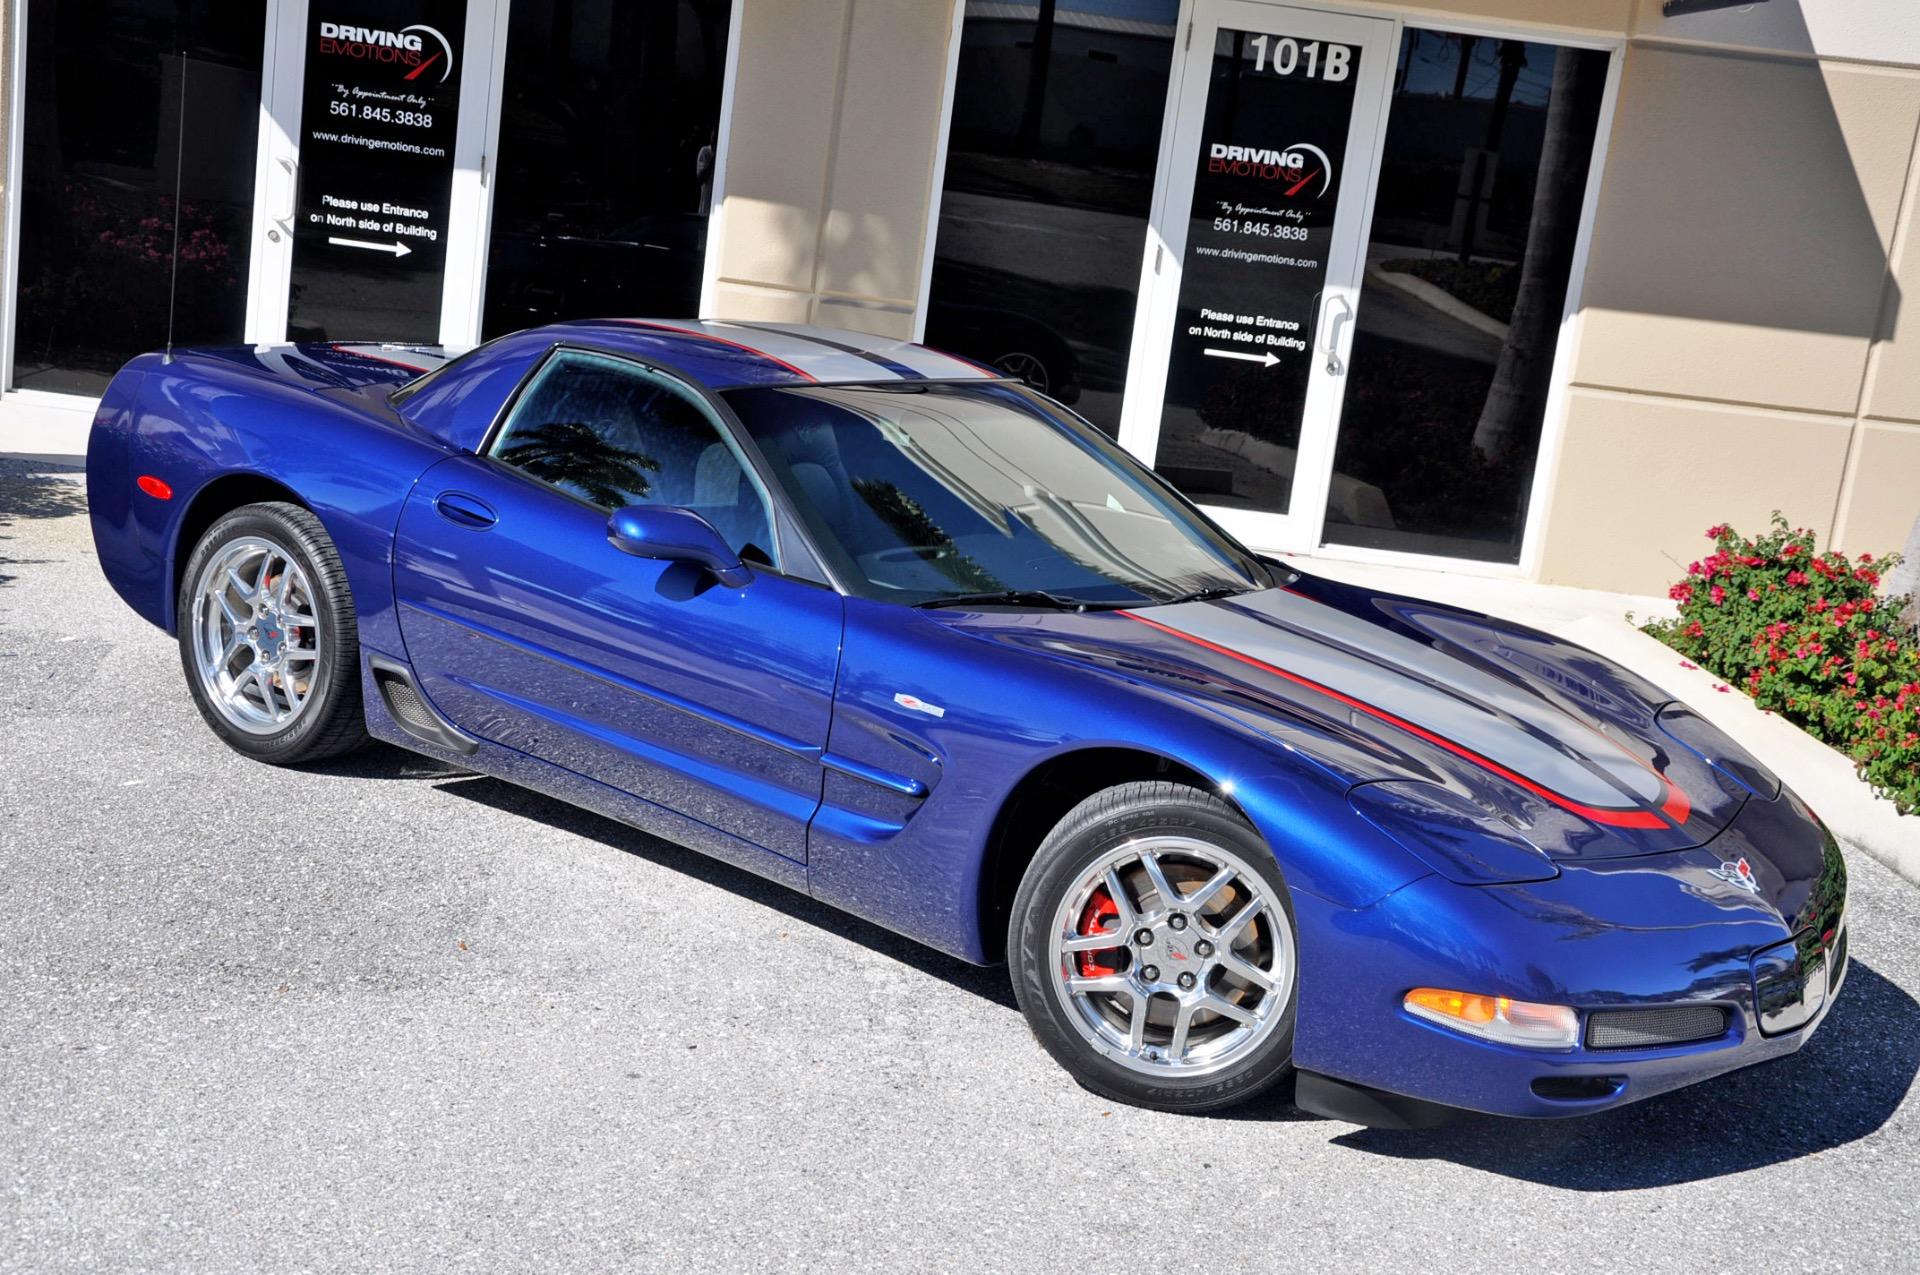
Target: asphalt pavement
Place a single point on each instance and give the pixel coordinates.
(381, 1016)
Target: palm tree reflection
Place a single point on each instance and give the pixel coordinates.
(579, 458)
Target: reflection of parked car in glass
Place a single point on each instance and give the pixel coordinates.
(1017, 344)
(563, 266)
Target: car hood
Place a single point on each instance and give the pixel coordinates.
(1540, 733)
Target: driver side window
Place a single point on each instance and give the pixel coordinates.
(614, 434)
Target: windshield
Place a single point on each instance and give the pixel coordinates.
(920, 492)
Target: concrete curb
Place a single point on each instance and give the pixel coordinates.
(1824, 777)
(1413, 286)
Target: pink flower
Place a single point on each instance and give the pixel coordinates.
(1719, 595)
(1681, 593)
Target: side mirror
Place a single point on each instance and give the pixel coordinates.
(673, 534)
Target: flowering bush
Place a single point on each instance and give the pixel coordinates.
(1803, 633)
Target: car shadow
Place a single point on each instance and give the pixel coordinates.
(34, 490)
(988, 983)
(1847, 1082)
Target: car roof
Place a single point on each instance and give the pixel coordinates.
(727, 354)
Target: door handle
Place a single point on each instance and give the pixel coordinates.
(1331, 346)
(293, 192)
(457, 506)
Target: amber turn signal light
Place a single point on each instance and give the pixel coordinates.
(1497, 1018)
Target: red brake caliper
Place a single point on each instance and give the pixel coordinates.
(1099, 911)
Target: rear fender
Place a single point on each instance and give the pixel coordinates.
(194, 421)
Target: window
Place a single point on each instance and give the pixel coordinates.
(1482, 177)
(1043, 215)
(136, 191)
(917, 492)
(615, 434)
(609, 138)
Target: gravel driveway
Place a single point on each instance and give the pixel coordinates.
(378, 1015)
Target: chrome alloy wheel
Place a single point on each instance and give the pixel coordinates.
(256, 637)
(1172, 956)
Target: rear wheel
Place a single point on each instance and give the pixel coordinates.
(268, 638)
(1153, 950)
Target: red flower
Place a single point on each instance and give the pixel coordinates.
(1681, 593)
(1719, 595)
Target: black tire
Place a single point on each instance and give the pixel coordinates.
(1090, 831)
(332, 721)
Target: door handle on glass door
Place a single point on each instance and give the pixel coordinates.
(293, 192)
(1332, 326)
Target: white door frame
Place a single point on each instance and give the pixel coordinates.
(16, 145)
(277, 175)
(475, 159)
(1553, 425)
(1163, 272)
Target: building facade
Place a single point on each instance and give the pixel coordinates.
(1528, 288)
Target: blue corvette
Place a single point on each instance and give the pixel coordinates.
(906, 635)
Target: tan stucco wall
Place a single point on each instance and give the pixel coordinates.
(1750, 336)
(830, 161)
(1748, 340)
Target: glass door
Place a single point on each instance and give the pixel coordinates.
(135, 204)
(1246, 316)
(369, 193)
(1484, 172)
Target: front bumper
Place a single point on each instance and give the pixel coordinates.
(1607, 936)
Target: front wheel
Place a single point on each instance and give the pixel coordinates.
(268, 637)
(1153, 950)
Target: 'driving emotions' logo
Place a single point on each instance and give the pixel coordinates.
(1301, 167)
(416, 51)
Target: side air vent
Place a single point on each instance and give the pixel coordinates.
(1655, 1028)
(412, 712)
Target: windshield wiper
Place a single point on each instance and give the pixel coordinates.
(1208, 595)
(1020, 598)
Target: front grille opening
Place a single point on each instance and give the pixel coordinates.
(1655, 1028)
(1578, 1088)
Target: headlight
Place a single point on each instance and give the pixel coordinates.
(1497, 1018)
(1450, 834)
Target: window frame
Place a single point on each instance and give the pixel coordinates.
(794, 555)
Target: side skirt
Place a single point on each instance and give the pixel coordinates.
(561, 784)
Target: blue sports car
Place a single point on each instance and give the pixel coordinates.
(904, 634)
